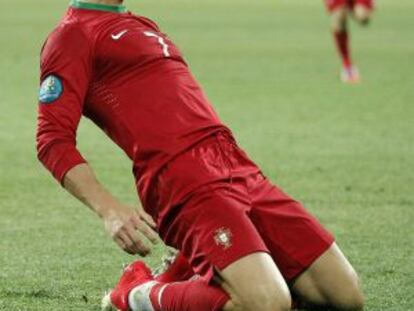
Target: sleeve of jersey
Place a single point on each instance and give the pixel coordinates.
(65, 73)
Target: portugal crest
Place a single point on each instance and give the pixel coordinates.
(223, 237)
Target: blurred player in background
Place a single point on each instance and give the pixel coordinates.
(340, 11)
(204, 196)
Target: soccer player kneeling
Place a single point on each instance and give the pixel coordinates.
(250, 243)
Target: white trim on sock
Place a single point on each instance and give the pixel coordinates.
(139, 297)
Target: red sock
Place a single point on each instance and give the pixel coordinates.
(342, 44)
(195, 295)
(180, 270)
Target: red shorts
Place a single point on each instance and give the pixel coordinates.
(332, 5)
(233, 211)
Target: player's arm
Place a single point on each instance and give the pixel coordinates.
(65, 73)
(122, 223)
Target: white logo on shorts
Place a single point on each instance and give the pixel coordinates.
(223, 237)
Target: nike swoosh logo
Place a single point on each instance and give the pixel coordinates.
(119, 35)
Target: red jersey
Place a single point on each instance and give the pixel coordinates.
(332, 5)
(122, 72)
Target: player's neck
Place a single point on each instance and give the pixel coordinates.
(108, 2)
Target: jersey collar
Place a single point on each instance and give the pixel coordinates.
(97, 6)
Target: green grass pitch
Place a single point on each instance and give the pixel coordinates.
(271, 71)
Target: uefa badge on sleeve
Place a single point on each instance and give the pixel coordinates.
(223, 237)
(50, 89)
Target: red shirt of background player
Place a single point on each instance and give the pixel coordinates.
(332, 5)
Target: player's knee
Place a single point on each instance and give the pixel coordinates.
(351, 297)
(362, 15)
(275, 302)
(268, 299)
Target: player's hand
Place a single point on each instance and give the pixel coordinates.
(131, 229)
